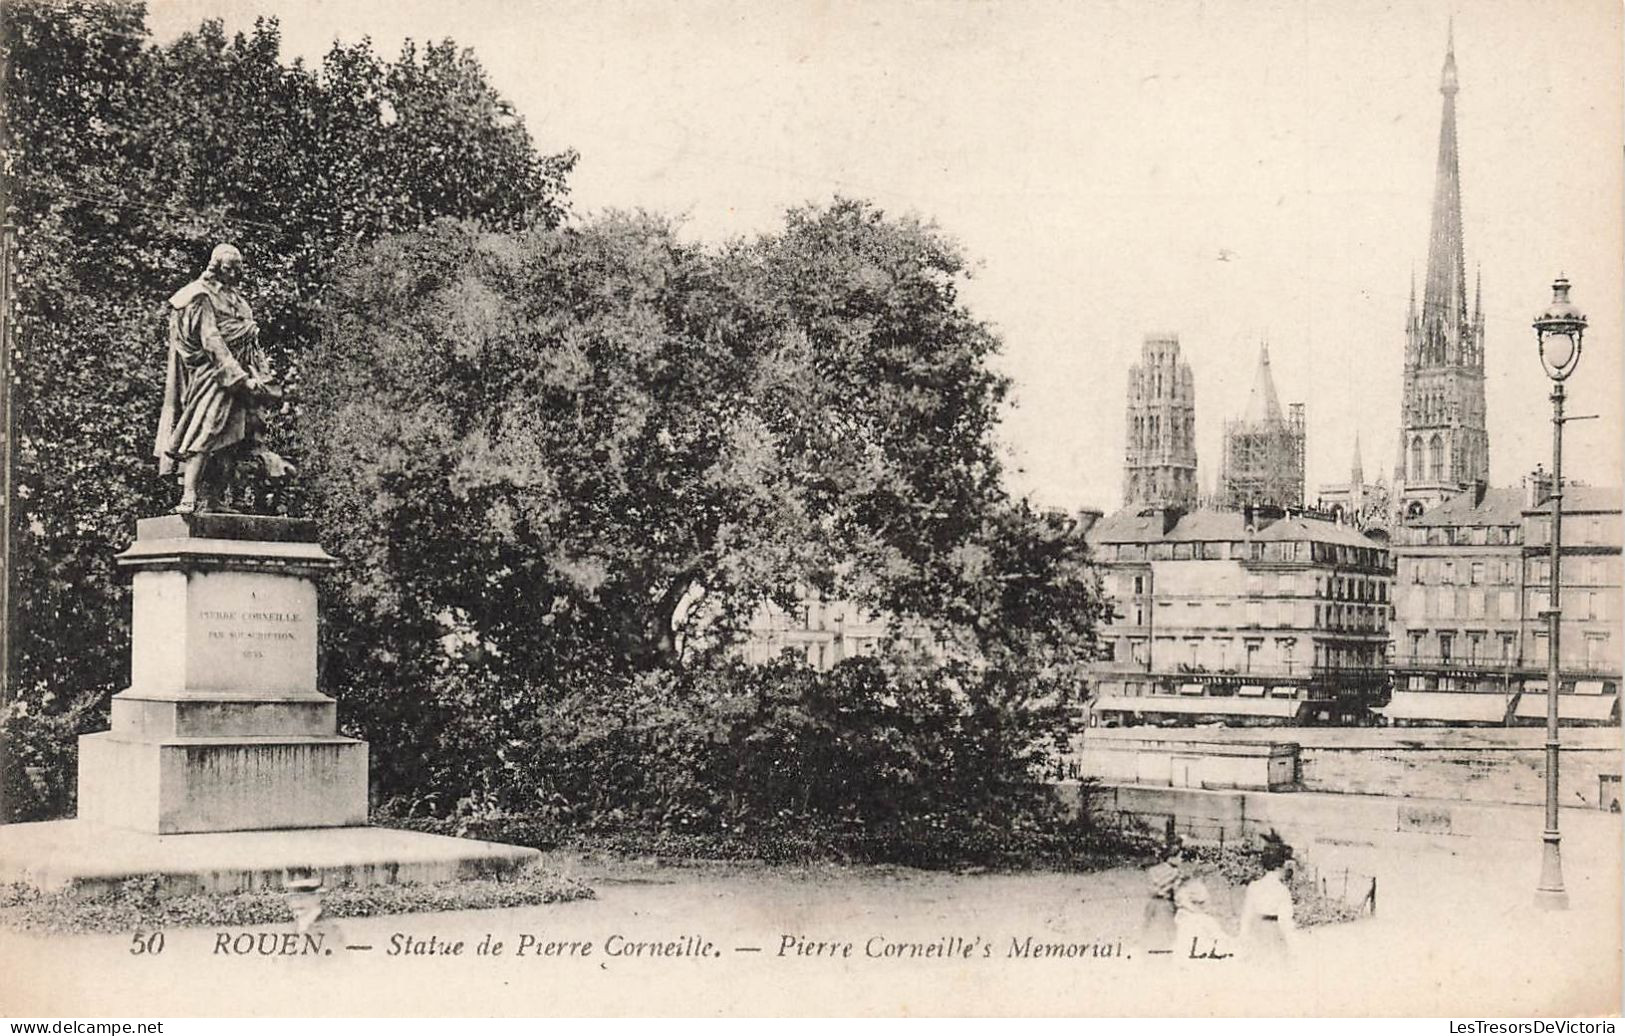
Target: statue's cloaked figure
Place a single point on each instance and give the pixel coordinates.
(217, 381)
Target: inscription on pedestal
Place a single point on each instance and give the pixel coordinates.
(249, 633)
(232, 632)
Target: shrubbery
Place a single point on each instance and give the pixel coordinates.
(769, 761)
(142, 904)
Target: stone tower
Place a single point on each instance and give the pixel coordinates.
(1443, 444)
(1263, 452)
(1159, 468)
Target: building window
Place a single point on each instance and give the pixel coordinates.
(1506, 647)
(1447, 603)
(1447, 644)
(1476, 576)
(1252, 655)
(1416, 644)
(1139, 585)
(1596, 645)
(1475, 642)
(1449, 577)
(1506, 605)
(1286, 647)
(1594, 605)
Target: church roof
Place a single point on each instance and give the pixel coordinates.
(1262, 403)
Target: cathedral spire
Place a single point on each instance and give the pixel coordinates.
(1262, 403)
(1357, 472)
(1444, 301)
(1443, 440)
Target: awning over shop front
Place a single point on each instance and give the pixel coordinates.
(1190, 688)
(1598, 708)
(1446, 707)
(1251, 690)
(1200, 706)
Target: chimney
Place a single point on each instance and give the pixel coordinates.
(1087, 517)
(1537, 487)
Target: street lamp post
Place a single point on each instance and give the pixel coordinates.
(1559, 331)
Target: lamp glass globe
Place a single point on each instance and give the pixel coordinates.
(1557, 349)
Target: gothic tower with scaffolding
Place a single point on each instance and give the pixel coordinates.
(1159, 467)
(1443, 442)
(1263, 450)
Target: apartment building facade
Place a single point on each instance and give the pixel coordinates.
(1239, 617)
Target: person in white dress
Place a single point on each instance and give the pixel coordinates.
(1198, 934)
(1268, 929)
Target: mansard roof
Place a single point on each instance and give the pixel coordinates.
(1144, 525)
(1584, 500)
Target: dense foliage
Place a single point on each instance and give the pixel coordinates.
(124, 163)
(567, 464)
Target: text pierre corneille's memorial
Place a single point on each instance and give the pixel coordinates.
(223, 767)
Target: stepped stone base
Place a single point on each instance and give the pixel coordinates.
(157, 716)
(176, 785)
(89, 858)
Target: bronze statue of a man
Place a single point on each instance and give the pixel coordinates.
(217, 382)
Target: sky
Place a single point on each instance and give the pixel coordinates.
(1095, 159)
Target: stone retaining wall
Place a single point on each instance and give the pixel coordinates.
(1504, 766)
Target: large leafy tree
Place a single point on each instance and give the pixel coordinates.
(561, 458)
(124, 163)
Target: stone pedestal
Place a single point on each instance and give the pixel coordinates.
(224, 770)
(222, 727)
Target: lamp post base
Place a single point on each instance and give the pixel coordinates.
(1550, 894)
